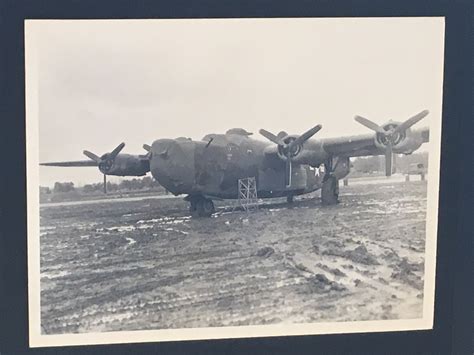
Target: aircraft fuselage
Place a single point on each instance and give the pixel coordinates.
(184, 166)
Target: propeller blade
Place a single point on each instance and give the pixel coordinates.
(147, 147)
(306, 135)
(91, 156)
(116, 151)
(411, 121)
(271, 137)
(105, 184)
(388, 160)
(288, 172)
(369, 124)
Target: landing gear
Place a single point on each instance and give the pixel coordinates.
(289, 199)
(330, 188)
(330, 191)
(201, 206)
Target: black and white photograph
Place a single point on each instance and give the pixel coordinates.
(231, 178)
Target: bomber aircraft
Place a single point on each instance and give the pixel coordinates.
(286, 166)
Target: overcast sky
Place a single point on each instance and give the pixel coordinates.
(104, 82)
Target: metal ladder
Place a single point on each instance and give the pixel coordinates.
(248, 199)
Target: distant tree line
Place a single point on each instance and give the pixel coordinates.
(377, 163)
(145, 183)
(63, 186)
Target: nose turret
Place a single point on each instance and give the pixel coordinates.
(172, 164)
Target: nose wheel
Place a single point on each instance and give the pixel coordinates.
(201, 206)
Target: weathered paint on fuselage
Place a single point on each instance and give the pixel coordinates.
(212, 169)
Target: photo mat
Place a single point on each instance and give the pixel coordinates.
(39, 134)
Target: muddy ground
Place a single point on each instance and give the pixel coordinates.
(145, 264)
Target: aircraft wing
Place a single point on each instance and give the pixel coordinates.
(392, 137)
(316, 151)
(72, 163)
(352, 146)
(342, 146)
(365, 145)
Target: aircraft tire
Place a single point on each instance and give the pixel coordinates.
(193, 209)
(290, 199)
(330, 191)
(206, 208)
(201, 207)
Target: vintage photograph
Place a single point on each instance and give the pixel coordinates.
(220, 178)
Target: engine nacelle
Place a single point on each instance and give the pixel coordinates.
(403, 142)
(126, 165)
(294, 151)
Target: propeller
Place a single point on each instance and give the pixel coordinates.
(289, 146)
(147, 147)
(106, 161)
(391, 134)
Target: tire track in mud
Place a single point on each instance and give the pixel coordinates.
(285, 264)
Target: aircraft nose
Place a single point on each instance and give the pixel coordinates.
(161, 148)
(172, 164)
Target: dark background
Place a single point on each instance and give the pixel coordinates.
(452, 333)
